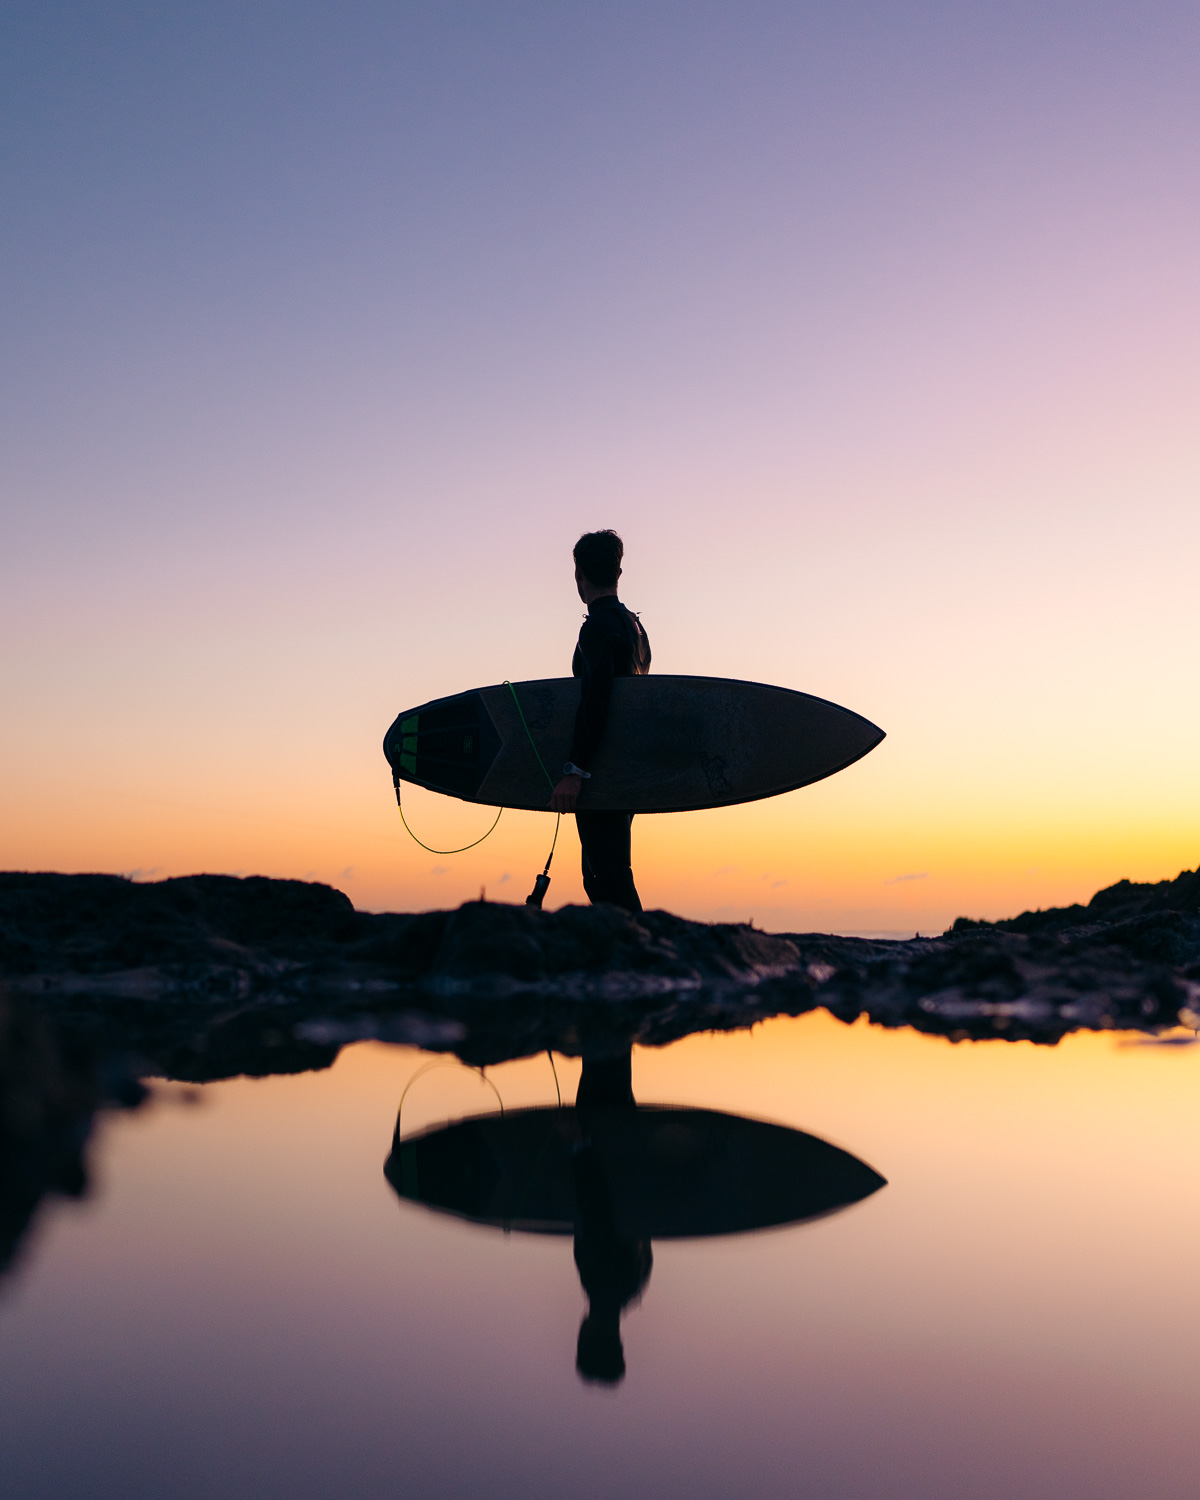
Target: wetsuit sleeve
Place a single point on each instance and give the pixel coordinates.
(595, 693)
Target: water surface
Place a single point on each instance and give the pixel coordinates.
(245, 1305)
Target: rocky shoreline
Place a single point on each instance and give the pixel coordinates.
(105, 983)
(202, 955)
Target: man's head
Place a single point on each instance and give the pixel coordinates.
(598, 557)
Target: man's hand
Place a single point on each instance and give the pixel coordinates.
(566, 794)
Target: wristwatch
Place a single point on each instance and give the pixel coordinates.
(571, 769)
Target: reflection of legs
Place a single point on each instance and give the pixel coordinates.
(606, 1079)
(607, 873)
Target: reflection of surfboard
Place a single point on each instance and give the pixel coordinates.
(671, 1173)
(671, 743)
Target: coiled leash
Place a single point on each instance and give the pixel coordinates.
(541, 883)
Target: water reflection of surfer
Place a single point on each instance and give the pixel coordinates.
(616, 1175)
(612, 644)
(613, 1268)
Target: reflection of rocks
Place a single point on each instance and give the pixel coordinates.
(208, 975)
(50, 1089)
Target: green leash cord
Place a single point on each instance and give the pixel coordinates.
(543, 880)
(525, 727)
(429, 847)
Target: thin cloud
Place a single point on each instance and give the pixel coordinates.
(897, 879)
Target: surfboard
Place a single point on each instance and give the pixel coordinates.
(671, 744)
(662, 1172)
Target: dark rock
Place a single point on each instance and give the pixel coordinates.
(207, 976)
(1116, 903)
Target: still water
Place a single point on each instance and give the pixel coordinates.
(246, 1305)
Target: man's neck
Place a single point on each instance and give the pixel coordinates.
(591, 595)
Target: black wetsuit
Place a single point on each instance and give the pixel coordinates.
(612, 644)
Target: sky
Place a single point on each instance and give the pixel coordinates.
(872, 328)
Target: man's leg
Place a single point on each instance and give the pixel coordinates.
(607, 873)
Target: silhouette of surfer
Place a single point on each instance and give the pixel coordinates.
(611, 644)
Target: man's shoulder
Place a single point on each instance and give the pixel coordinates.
(615, 619)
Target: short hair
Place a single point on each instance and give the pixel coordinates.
(598, 557)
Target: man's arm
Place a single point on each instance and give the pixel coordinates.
(594, 697)
(595, 647)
